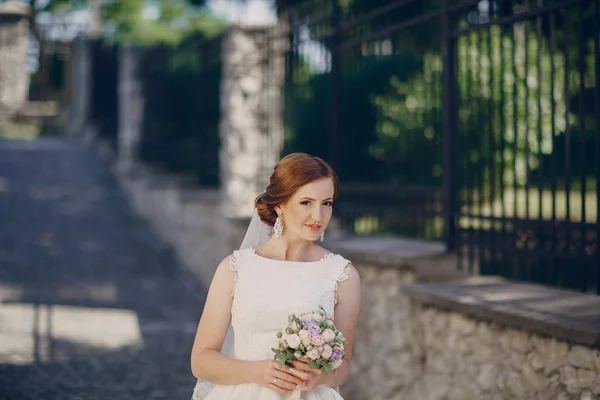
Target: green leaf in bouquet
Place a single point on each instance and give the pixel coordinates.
(279, 335)
(313, 364)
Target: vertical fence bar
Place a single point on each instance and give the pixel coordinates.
(553, 174)
(540, 155)
(480, 144)
(567, 133)
(582, 141)
(448, 130)
(492, 146)
(334, 94)
(471, 128)
(597, 129)
(526, 117)
(514, 149)
(502, 140)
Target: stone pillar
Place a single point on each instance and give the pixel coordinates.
(251, 113)
(14, 40)
(131, 106)
(81, 85)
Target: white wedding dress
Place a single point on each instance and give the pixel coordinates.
(265, 292)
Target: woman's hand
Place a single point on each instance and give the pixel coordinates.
(314, 379)
(282, 380)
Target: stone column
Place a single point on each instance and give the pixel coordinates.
(131, 106)
(14, 40)
(81, 85)
(251, 113)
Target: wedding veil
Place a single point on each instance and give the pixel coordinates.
(258, 232)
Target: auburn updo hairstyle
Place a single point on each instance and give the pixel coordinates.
(290, 174)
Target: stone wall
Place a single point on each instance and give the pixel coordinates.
(251, 118)
(188, 219)
(14, 41)
(411, 349)
(385, 360)
(463, 358)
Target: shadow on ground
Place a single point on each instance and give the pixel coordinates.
(92, 304)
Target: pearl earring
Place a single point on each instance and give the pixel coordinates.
(322, 236)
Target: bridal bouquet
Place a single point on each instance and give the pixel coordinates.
(311, 336)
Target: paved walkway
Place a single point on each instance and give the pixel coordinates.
(92, 304)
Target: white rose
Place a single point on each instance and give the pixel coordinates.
(337, 364)
(294, 326)
(293, 340)
(313, 354)
(298, 354)
(304, 336)
(318, 317)
(283, 341)
(328, 335)
(339, 346)
(327, 351)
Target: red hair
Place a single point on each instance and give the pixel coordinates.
(290, 174)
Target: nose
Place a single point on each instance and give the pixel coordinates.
(317, 213)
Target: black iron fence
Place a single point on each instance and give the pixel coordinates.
(181, 91)
(364, 91)
(525, 118)
(475, 122)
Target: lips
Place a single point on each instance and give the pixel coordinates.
(314, 227)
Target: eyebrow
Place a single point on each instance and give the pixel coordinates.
(308, 198)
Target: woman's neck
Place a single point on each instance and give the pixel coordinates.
(290, 250)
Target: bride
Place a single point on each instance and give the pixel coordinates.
(271, 276)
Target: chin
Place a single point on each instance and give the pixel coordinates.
(311, 236)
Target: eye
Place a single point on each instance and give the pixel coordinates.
(328, 203)
(305, 202)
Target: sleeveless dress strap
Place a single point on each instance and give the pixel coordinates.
(235, 260)
(341, 271)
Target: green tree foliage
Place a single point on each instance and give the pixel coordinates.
(177, 19)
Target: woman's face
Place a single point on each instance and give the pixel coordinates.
(308, 212)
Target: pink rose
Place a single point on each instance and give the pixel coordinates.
(317, 340)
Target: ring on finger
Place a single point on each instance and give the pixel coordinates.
(275, 381)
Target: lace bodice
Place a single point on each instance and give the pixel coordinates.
(267, 291)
